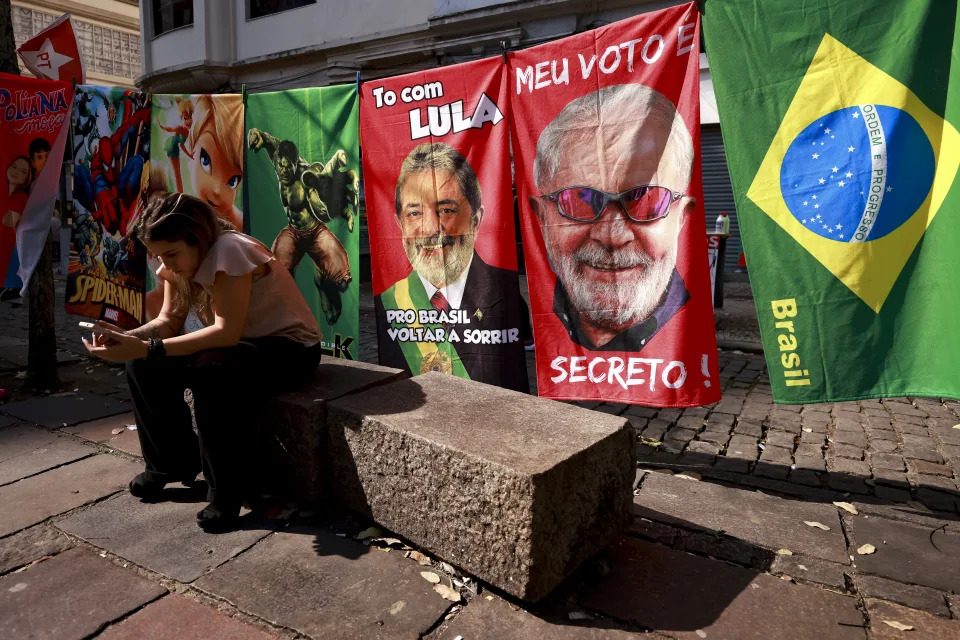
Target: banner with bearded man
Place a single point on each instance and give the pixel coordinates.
(606, 141)
(437, 169)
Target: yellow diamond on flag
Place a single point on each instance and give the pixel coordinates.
(857, 170)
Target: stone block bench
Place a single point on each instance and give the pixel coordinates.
(514, 489)
(293, 425)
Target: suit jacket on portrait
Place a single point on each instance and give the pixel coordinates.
(495, 293)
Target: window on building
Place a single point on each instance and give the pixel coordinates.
(260, 8)
(171, 14)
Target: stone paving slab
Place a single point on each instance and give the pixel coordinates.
(925, 626)
(72, 595)
(54, 412)
(907, 553)
(909, 595)
(161, 536)
(15, 356)
(175, 617)
(686, 596)
(101, 431)
(31, 544)
(27, 450)
(35, 499)
(495, 618)
(767, 521)
(329, 587)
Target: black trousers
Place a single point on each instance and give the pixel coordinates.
(227, 385)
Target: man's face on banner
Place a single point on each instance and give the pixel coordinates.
(615, 270)
(438, 226)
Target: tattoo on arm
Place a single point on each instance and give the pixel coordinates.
(156, 328)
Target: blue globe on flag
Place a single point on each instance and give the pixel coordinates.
(858, 173)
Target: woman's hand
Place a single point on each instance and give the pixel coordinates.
(115, 344)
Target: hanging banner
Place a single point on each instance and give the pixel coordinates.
(302, 200)
(843, 152)
(437, 180)
(606, 151)
(34, 121)
(53, 53)
(196, 145)
(111, 146)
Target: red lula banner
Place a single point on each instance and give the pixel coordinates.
(606, 151)
(436, 168)
(34, 119)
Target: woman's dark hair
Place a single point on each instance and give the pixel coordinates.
(172, 217)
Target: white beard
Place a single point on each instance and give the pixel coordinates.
(440, 270)
(614, 306)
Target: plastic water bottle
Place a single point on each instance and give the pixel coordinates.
(722, 225)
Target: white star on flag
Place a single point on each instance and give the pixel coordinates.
(804, 203)
(816, 206)
(849, 174)
(850, 149)
(889, 189)
(840, 236)
(856, 114)
(841, 183)
(804, 221)
(814, 196)
(818, 216)
(822, 181)
(827, 130)
(47, 57)
(835, 169)
(839, 226)
(816, 155)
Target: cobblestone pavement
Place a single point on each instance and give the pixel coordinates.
(751, 521)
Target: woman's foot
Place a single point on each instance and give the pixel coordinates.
(216, 518)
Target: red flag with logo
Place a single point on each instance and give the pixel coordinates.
(54, 53)
(606, 143)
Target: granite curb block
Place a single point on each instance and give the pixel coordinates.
(514, 489)
(293, 424)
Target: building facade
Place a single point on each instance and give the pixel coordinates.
(269, 45)
(108, 32)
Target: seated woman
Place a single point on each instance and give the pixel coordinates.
(261, 338)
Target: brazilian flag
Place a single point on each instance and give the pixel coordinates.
(839, 120)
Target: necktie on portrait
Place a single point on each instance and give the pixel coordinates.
(440, 302)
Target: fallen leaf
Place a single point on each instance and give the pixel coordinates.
(801, 567)
(807, 430)
(650, 442)
(397, 607)
(579, 615)
(131, 427)
(421, 559)
(430, 576)
(846, 506)
(898, 625)
(784, 552)
(390, 542)
(786, 578)
(956, 426)
(448, 593)
(866, 549)
(701, 633)
(371, 532)
(118, 430)
(489, 597)
(448, 568)
(817, 525)
(689, 475)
